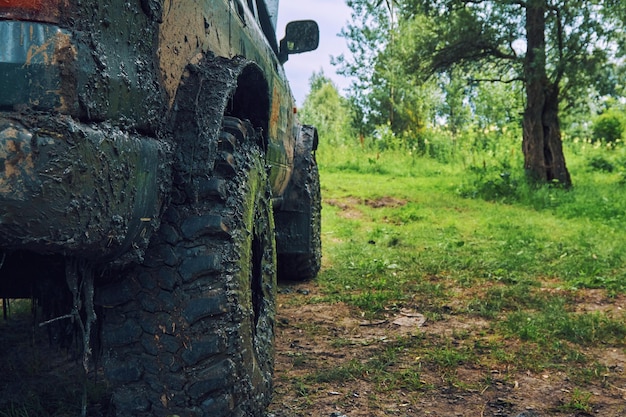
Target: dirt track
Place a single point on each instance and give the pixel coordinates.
(315, 337)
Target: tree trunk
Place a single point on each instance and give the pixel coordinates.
(544, 161)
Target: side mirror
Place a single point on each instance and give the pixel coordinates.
(300, 36)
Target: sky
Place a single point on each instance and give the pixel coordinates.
(331, 16)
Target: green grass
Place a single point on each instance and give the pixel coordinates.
(381, 369)
(403, 231)
(553, 321)
(579, 401)
(575, 236)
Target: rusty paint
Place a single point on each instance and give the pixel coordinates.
(16, 161)
(275, 113)
(114, 62)
(178, 40)
(40, 52)
(40, 10)
(64, 57)
(17, 166)
(87, 192)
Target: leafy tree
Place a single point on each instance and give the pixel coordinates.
(327, 110)
(455, 107)
(556, 52)
(367, 37)
(556, 48)
(498, 104)
(381, 92)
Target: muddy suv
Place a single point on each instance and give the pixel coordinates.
(154, 179)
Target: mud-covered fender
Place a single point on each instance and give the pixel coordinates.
(214, 87)
(196, 118)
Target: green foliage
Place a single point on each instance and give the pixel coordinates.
(420, 65)
(515, 296)
(574, 235)
(497, 104)
(325, 109)
(492, 183)
(18, 307)
(383, 93)
(511, 263)
(600, 163)
(487, 38)
(609, 127)
(449, 357)
(379, 369)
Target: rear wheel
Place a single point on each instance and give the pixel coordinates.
(305, 266)
(300, 247)
(192, 329)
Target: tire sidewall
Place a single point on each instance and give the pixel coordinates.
(257, 314)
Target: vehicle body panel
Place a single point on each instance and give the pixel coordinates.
(114, 67)
(69, 189)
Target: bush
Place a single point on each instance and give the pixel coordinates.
(608, 127)
(494, 183)
(599, 163)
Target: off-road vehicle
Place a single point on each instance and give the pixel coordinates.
(154, 179)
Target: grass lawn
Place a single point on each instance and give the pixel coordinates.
(513, 283)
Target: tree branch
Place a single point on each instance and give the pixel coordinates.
(496, 80)
(467, 50)
(521, 3)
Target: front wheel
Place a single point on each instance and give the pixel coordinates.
(192, 329)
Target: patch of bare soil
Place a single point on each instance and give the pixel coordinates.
(317, 339)
(385, 202)
(349, 205)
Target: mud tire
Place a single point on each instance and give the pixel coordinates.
(191, 331)
(306, 185)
